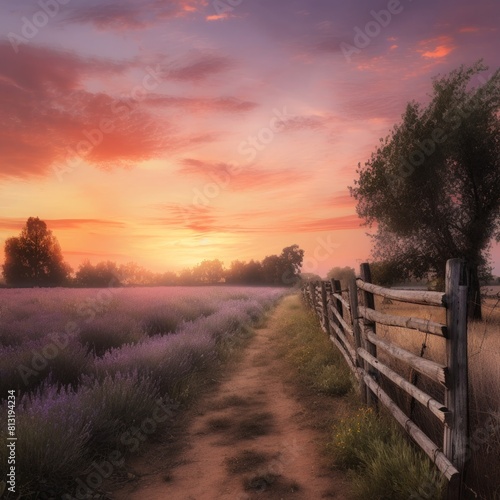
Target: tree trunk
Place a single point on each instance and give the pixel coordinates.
(474, 295)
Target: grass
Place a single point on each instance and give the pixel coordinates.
(318, 363)
(381, 462)
(484, 387)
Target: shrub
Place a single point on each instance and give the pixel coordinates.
(70, 364)
(116, 404)
(53, 437)
(104, 334)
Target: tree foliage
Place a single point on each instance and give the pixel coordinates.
(34, 258)
(343, 274)
(208, 272)
(433, 185)
(102, 275)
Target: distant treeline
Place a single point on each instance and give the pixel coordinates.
(34, 258)
(277, 270)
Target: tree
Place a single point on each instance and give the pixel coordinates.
(343, 274)
(103, 274)
(385, 273)
(34, 258)
(433, 185)
(283, 269)
(272, 270)
(209, 272)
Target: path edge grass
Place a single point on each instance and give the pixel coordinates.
(380, 461)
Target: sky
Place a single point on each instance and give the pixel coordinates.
(166, 132)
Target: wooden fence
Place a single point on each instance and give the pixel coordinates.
(350, 319)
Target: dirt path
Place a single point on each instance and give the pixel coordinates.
(251, 439)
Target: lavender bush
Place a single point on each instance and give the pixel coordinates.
(89, 365)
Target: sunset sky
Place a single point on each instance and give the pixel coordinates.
(166, 132)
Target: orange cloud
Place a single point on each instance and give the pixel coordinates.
(207, 219)
(436, 48)
(53, 122)
(242, 178)
(217, 17)
(16, 224)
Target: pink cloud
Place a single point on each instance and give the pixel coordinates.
(201, 68)
(242, 178)
(49, 120)
(201, 104)
(120, 16)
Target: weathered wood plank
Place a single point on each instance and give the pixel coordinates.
(456, 397)
(422, 325)
(358, 342)
(344, 301)
(324, 307)
(431, 369)
(369, 302)
(415, 296)
(342, 337)
(341, 320)
(437, 408)
(347, 358)
(430, 448)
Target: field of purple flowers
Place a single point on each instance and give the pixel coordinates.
(96, 371)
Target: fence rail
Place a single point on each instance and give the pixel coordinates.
(350, 319)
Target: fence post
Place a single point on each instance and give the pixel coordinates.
(353, 302)
(324, 303)
(369, 301)
(312, 299)
(456, 394)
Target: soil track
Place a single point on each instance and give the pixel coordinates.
(250, 439)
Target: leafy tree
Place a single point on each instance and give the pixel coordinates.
(103, 274)
(385, 273)
(209, 272)
(186, 277)
(34, 258)
(343, 274)
(283, 269)
(272, 270)
(433, 185)
(236, 273)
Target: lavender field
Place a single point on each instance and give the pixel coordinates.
(96, 372)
